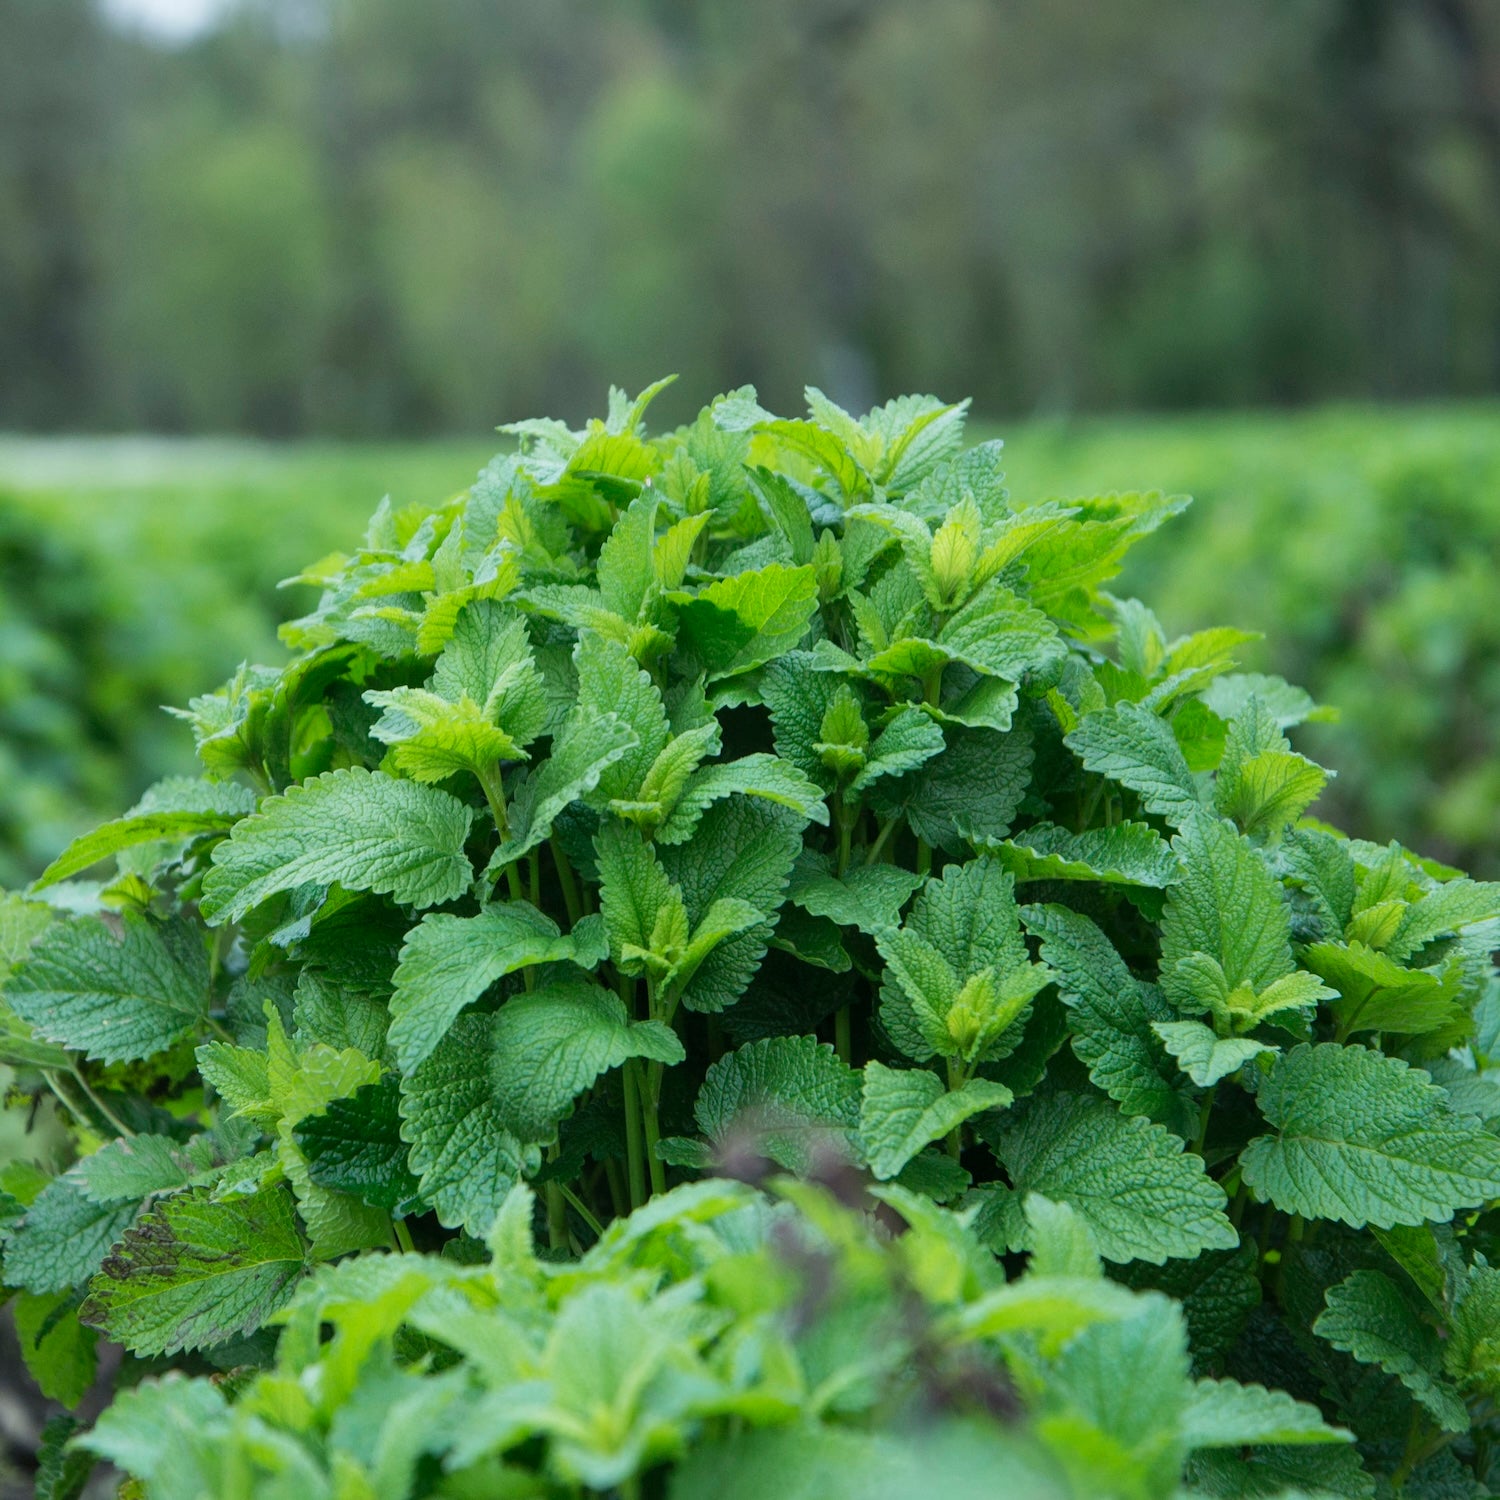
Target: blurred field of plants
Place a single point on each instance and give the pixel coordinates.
(136, 573)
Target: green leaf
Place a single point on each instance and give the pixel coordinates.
(550, 1045)
(626, 569)
(116, 994)
(63, 1238)
(354, 1146)
(448, 962)
(1365, 1139)
(1113, 1016)
(1142, 1195)
(788, 1095)
(756, 775)
(176, 809)
(634, 891)
(585, 747)
(908, 741)
(1125, 854)
(1450, 908)
(461, 1151)
(361, 828)
(1227, 905)
(1135, 747)
(1377, 994)
(1288, 706)
(610, 680)
(196, 1272)
(62, 1471)
(1369, 1316)
(1203, 1055)
(1062, 1244)
(744, 621)
(743, 850)
(1266, 792)
(170, 1433)
(905, 1109)
(1226, 1414)
(869, 897)
(57, 1348)
(132, 1168)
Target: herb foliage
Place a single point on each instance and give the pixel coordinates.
(732, 960)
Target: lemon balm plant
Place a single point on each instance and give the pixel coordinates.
(727, 962)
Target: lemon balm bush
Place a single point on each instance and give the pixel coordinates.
(730, 962)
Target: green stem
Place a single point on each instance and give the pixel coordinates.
(957, 1077)
(224, 1034)
(534, 875)
(101, 1106)
(924, 857)
(1204, 1113)
(557, 1217)
(881, 835)
(635, 1153)
(652, 1100)
(619, 1194)
(403, 1236)
(494, 794)
(846, 831)
(80, 1115)
(569, 884)
(843, 1038)
(581, 1209)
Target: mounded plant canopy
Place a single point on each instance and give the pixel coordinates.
(729, 964)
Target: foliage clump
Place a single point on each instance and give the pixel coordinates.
(730, 959)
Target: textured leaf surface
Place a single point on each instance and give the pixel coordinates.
(1203, 1056)
(1143, 1196)
(786, 1094)
(196, 1272)
(1127, 854)
(742, 622)
(448, 962)
(115, 996)
(869, 897)
(363, 829)
(354, 1146)
(1366, 1139)
(461, 1151)
(1369, 1316)
(905, 1109)
(1226, 1414)
(63, 1238)
(750, 776)
(1112, 1016)
(1135, 747)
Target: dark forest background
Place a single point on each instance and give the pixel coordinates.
(378, 216)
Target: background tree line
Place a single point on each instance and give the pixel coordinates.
(356, 216)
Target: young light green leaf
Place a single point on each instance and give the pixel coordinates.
(1203, 1055)
(1143, 1196)
(1377, 994)
(905, 1109)
(58, 1350)
(196, 1272)
(1365, 1139)
(361, 828)
(757, 775)
(448, 962)
(117, 994)
(744, 621)
(1454, 905)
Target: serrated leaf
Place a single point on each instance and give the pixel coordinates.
(757, 775)
(1365, 1139)
(1377, 994)
(1451, 907)
(869, 897)
(132, 1168)
(354, 1146)
(610, 680)
(63, 1238)
(461, 1151)
(176, 809)
(1227, 905)
(1125, 854)
(448, 962)
(1112, 1016)
(744, 621)
(1367, 1315)
(114, 995)
(170, 1433)
(1142, 1195)
(1203, 1055)
(1135, 747)
(550, 1045)
(196, 1271)
(743, 850)
(1226, 1414)
(787, 1095)
(1266, 792)
(585, 747)
(363, 829)
(626, 570)
(904, 1109)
